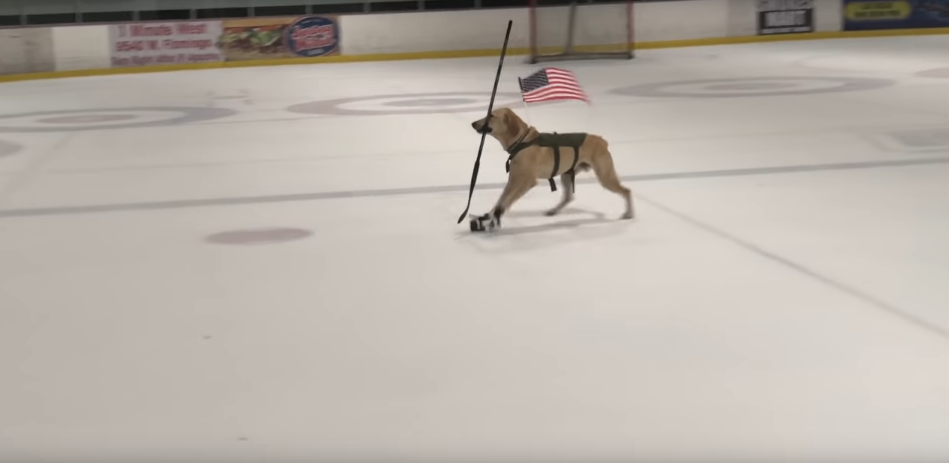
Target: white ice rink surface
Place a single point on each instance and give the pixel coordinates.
(782, 295)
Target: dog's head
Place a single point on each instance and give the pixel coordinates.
(503, 124)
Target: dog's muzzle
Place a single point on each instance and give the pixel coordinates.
(484, 129)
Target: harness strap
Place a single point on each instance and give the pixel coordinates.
(515, 148)
(572, 172)
(520, 144)
(573, 169)
(553, 185)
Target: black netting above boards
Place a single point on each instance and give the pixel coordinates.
(580, 30)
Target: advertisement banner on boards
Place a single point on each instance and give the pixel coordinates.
(900, 14)
(186, 42)
(159, 43)
(280, 37)
(785, 17)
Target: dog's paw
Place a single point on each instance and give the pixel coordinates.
(552, 212)
(475, 225)
(487, 222)
(627, 216)
(494, 223)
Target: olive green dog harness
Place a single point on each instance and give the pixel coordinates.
(555, 141)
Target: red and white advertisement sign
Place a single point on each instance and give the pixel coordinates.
(150, 44)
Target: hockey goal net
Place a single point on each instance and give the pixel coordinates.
(563, 30)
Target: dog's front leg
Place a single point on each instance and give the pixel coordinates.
(518, 184)
(567, 181)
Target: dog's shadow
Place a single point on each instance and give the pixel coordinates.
(589, 224)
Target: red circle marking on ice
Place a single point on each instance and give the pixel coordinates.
(259, 236)
(936, 73)
(87, 119)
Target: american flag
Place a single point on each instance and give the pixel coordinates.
(550, 84)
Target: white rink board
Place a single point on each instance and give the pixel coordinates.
(88, 47)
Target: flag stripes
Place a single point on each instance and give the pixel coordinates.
(551, 84)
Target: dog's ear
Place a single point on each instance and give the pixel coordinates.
(512, 123)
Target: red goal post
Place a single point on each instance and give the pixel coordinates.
(580, 30)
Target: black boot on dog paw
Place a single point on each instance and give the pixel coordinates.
(486, 222)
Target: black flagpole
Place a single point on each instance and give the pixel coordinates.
(484, 134)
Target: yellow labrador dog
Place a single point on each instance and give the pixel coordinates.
(535, 155)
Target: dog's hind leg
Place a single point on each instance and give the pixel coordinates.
(606, 174)
(567, 181)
